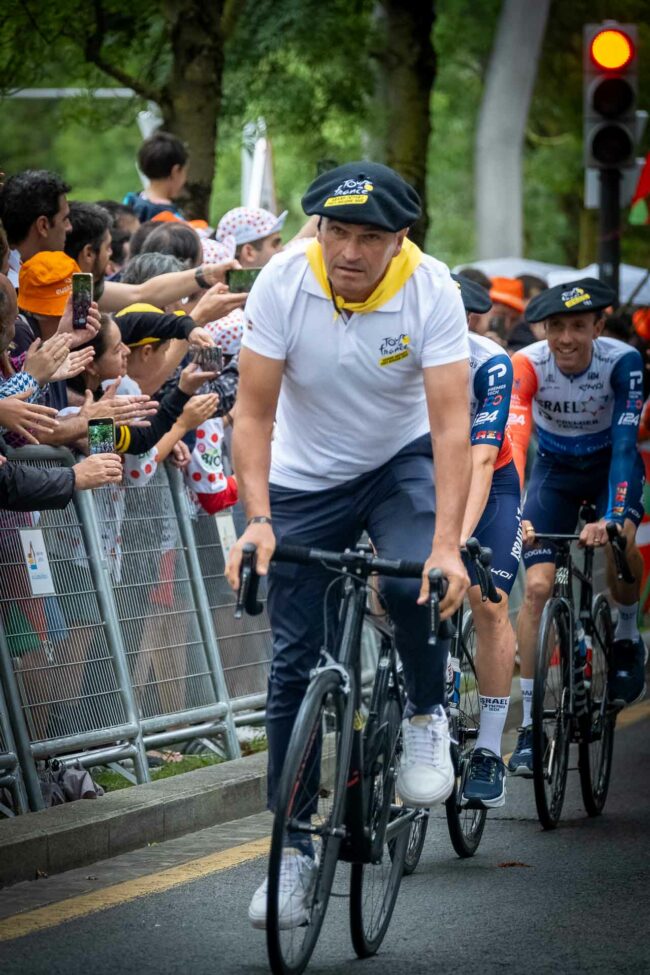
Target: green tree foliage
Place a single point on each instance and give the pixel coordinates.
(309, 69)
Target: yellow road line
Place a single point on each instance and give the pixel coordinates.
(50, 916)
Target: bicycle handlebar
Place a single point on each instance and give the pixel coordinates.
(362, 563)
(616, 540)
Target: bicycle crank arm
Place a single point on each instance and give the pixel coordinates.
(301, 827)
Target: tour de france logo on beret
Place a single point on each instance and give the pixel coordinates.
(576, 296)
(351, 191)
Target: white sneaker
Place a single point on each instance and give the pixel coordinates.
(426, 774)
(297, 879)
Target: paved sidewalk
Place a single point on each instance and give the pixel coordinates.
(79, 833)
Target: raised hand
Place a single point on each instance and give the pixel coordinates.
(79, 336)
(193, 377)
(26, 419)
(98, 469)
(44, 358)
(199, 409)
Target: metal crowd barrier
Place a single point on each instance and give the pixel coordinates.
(117, 630)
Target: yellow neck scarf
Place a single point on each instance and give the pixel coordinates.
(399, 271)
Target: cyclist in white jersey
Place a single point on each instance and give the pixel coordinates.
(584, 394)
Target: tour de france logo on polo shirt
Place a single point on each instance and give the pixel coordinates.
(392, 349)
(576, 296)
(351, 191)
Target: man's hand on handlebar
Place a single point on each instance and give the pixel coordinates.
(595, 534)
(260, 535)
(449, 561)
(527, 532)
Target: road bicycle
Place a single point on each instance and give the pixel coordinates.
(337, 787)
(570, 699)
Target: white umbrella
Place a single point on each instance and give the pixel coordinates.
(512, 267)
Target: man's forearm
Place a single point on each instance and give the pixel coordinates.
(252, 462)
(70, 429)
(158, 291)
(453, 472)
(479, 492)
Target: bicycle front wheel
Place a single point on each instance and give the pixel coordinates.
(595, 750)
(465, 825)
(310, 810)
(374, 886)
(551, 713)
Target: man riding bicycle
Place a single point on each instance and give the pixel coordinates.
(492, 516)
(585, 395)
(356, 347)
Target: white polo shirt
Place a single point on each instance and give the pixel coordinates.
(352, 393)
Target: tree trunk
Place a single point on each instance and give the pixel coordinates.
(508, 88)
(191, 101)
(404, 82)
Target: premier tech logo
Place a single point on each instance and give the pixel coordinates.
(392, 349)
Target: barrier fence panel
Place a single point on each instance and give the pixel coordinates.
(11, 779)
(244, 645)
(59, 621)
(155, 594)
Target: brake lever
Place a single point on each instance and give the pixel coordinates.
(247, 601)
(619, 544)
(482, 559)
(436, 592)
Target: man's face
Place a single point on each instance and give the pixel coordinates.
(260, 253)
(102, 257)
(357, 256)
(571, 337)
(59, 226)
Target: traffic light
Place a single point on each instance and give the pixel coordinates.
(610, 92)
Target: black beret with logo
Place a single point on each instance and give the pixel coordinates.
(587, 294)
(364, 192)
(143, 324)
(474, 297)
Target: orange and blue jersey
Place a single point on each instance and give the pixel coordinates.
(591, 416)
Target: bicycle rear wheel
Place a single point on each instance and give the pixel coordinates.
(550, 711)
(374, 886)
(310, 806)
(465, 825)
(595, 752)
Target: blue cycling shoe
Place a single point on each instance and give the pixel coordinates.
(485, 782)
(627, 672)
(521, 760)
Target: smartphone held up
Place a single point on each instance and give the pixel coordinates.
(242, 279)
(82, 296)
(101, 435)
(210, 359)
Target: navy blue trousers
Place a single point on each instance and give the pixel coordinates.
(395, 504)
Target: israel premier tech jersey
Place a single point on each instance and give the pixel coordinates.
(582, 420)
(490, 388)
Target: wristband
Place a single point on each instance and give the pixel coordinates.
(200, 279)
(260, 520)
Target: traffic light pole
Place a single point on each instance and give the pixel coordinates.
(609, 227)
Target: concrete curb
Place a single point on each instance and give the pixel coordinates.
(83, 832)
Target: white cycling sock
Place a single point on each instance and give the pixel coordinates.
(526, 684)
(494, 711)
(627, 627)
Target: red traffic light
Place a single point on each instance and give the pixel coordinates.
(611, 50)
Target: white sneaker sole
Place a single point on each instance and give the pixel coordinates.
(484, 803)
(423, 802)
(259, 923)
(522, 771)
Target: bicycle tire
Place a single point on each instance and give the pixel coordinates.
(374, 886)
(465, 825)
(551, 712)
(311, 794)
(595, 753)
(415, 845)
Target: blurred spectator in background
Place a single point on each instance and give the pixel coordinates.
(34, 212)
(480, 323)
(257, 234)
(163, 160)
(124, 224)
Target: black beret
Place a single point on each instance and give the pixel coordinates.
(474, 297)
(143, 324)
(588, 294)
(364, 192)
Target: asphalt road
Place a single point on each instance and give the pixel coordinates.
(571, 901)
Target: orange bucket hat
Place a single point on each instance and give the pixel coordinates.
(45, 281)
(508, 291)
